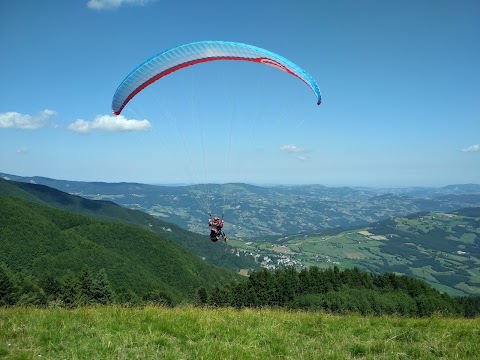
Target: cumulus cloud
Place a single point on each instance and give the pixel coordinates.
(109, 123)
(22, 150)
(294, 149)
(473, 148)
(24, 121)
(291, 149)
(113, 4)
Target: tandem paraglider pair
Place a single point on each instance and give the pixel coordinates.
(216, 229)
(199, 52)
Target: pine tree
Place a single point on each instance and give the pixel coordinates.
(288, 284)
(102, 291)
(243, 295)
(263, 284)
(29, 293)
(71, 292)
(202, 296)
(51, 286)
(86, 280)
(7, 287)
(221, 296)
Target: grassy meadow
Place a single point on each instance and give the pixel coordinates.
(201, 333)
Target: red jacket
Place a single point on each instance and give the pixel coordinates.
(217, 224)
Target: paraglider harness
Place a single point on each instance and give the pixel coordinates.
(216, 228)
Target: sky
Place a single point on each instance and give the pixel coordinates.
(399, 83)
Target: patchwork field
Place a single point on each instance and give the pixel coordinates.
(442, 249)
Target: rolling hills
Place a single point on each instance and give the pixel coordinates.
(441, 248)
(257, 212)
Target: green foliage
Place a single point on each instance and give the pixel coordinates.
(42, 245)
(101, 292)
(339, 291)
(108, 211)
(158, 298)
(202, 296)
(7, 287)
(71, 290)
(470, 305)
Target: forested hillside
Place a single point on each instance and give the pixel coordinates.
(217, 254)
(41, 242)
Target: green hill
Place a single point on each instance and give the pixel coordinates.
(214, 253)
(38, 240)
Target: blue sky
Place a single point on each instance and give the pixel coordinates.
(399, 82)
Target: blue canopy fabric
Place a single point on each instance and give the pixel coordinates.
(193, 53)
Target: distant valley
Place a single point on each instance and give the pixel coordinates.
(442, 249)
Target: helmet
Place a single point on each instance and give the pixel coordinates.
(215, 218)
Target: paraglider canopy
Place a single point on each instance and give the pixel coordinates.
(190, 54)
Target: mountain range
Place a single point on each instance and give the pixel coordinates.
(259, 212)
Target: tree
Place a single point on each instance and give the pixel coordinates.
(29, 293)
(86, 280)
(102, 291)
(127, 297)
(263, 284)
(243, 294)
(158, 297)
(221, 296)
(71, 292)
(50, 285)
(288, 284)
(202, 296)
(7, 287)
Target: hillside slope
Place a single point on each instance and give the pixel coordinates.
(214, 253)
(39, 239)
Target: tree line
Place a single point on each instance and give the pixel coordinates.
(339, 291)
(87, 288)
(312, 289)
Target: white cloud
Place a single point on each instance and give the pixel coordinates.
(294, 149)
(22, 150)
(113, 4)
(24, 121)
(109, 123)
(291, 149)
(473, 148)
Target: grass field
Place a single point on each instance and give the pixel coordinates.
(195, 333)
